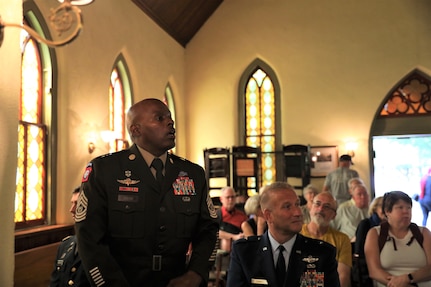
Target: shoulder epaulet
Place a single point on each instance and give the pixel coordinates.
(175, 157)
(66, 238)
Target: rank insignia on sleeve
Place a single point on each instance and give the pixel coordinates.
(211, 208)
(81, 208)
(96, 276)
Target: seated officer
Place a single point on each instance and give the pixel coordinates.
(68, 270)
(281, 256)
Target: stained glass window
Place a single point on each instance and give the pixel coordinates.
(412, 96)
(168, 99)
(260, 121)
(119, 102)
(30, 192)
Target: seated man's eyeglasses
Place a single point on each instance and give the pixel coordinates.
(324, 206)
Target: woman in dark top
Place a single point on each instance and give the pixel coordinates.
(360, 271)
(256, 224)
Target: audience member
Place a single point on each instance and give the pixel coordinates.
(351, 212)
(322, 212)
(376, 216)
(337, 180)
(230, 219)
(309, 193)
(360, 270)
(240, 200)
(262, 260)
(353, 182)
(256, 224)
(140, 208)
(425, 196)
(68, 270)
(398, 252)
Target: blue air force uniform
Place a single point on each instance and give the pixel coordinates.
(311, 263)
(131, 232)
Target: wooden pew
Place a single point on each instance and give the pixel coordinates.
(33, 267)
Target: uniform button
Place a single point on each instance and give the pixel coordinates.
(162, 228)
(162, 209)
(70, 283)
(160, 246)
(127, 207)
(73, 269)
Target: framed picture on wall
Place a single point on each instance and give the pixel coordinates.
(324, 159)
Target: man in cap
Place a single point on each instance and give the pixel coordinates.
(336, 182)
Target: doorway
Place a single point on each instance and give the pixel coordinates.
(399, 163)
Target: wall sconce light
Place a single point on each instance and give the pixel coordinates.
(63, 18)
(109, 138)
(78, 2)
(351, 147)
(91, 147)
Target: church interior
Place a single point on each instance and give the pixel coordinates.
(336, 66)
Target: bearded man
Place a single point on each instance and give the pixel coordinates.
(322, 212)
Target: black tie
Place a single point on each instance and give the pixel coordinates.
(158, 166)
(280, 268)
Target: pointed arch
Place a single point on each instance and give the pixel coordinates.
(259, 115)
(411, 96)
(120, 99)
(405, 112)
(168, 99)
(37, 125)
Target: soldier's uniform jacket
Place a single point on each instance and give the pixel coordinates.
(68, 270)
(131, 232)
(311, 263)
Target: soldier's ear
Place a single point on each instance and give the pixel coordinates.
(135, 130)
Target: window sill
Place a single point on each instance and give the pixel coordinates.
(42, 235)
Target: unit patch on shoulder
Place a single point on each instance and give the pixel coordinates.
(81, 208)
(211, 208)
(87, 172)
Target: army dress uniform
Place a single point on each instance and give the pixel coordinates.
(132, 232)
(68, 270)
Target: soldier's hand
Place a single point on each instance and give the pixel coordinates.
(189, 279)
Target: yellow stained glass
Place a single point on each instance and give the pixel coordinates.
(260, 121)
(30, 177)
(116, 108)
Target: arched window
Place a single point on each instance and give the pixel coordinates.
(168, 99)
(120, 100)
(35, 125)
(259, 122)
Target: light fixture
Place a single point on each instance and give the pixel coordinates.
(351, 147)
(64, 18)
(91, 147)
(109, 140)
(78, 2)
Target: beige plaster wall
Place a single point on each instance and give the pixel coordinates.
(111, 27)
(335, 62)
